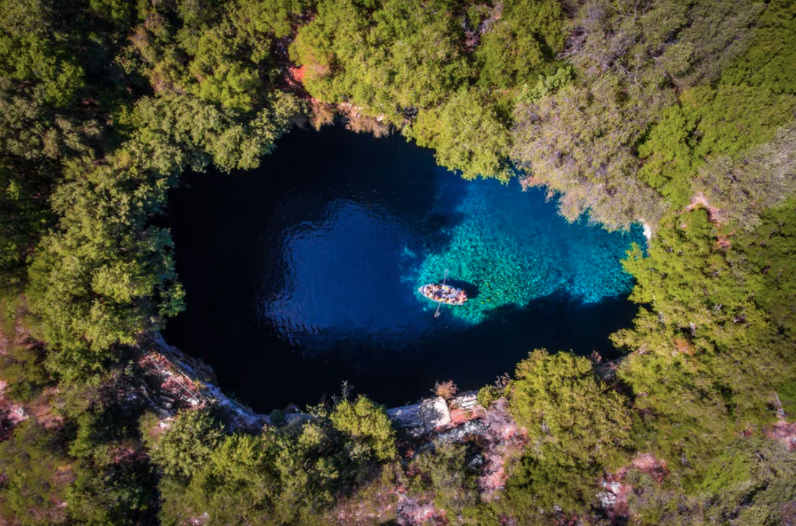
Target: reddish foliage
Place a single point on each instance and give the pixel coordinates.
(784, 432)
(617, 507)
(683, 346)
(701, 201)
(788, 513)
(502, 441)
(723, 242)
(297, 75)
(411, 512)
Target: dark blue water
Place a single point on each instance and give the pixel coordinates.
(303, 273)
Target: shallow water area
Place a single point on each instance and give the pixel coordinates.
(304, 272)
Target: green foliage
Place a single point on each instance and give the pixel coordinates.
(185, 447)
(488, 395)
(119, 12)
(113, 482)
(585, 142)
(102, 278)
(175, 131)
(22, 368)
(29, 54)
(576, 427)
(654, 44)
(539, 486)
(116, 488)
(717, 32)
(546, 85)
(744, 187)
(222, 54)
(368, 425)
(521, 39)
(726, 127)
(704, 318)
(285, 475)
(23, 213)
(223, 81)
(42, 81)
(769, 59)
(787, 396)
(568, 413)
(732, 118)
(31, 461)
(468, 135)
(668, 156)
(374, 59)
(380, 59)
(731, 121)
(443, 471)
(652, 104)
(259, 19)
(580, 142)
(765, 255)
(106, 275)
(726, 471)
(275, 478)
(750, 484)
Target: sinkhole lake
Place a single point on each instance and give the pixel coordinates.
(304, 272)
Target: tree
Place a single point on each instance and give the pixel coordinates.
(186, 446)
(117, 487)
(766, 62)
(520, 40)
(30, 462)
(576, 426)
(443, 471)
(468, 135)
(744, 187)
(368, 425)
(579, 142)
(701, 319)
(568, 413)
(378, 57)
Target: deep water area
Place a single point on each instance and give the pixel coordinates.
(303, 273)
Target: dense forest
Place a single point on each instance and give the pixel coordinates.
(680, 114)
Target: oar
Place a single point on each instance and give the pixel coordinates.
(436, 314)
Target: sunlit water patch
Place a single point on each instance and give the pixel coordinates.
(337, 276)
(512, 250)
(304, 273)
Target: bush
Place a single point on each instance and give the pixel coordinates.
(569, 414)
(367, 423)
(446, 390)
(444, 473)
(30, 462)
(187, 445)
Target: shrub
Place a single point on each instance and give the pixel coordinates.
(367, 423)
(186, 446)
(443, 471)
(446, 390)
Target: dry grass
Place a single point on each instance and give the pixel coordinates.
(446, 390)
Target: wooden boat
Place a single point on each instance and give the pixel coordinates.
(443, 294)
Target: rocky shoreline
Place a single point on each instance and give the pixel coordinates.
(179, 381)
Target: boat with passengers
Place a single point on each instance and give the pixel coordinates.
(443, 294)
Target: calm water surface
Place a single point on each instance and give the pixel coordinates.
(303, 273)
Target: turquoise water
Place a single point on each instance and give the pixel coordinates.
(304, 273)
(514, 251)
